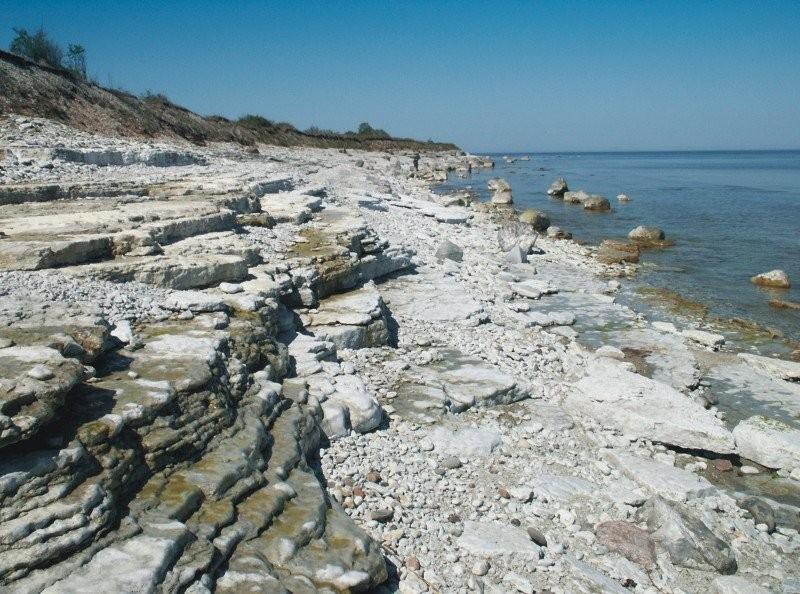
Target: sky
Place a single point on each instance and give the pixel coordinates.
(489, 76)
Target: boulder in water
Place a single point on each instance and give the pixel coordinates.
(558, 188)
(535, 218)
(777, 279)
(498, 184)
(597, 203)
(646, 234)
(623, 198)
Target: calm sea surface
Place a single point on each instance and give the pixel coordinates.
(731, 214)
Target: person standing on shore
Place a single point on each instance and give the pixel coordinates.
(415, 158)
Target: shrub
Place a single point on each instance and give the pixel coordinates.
(285, 127)
(150, 97)
(316, 131)
(255, 121)
(38, 48)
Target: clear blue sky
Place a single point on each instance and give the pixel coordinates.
(487, 75)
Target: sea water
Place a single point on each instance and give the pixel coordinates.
(732, 215)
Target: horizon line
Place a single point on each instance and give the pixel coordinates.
(683, 150)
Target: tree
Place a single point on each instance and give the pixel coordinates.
(76, 59)
(37, 48)
(366, 130)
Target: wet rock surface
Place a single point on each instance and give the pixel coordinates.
(223, 371)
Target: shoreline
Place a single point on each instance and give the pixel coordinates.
(680, 307)
(377, 392)
(680, 194)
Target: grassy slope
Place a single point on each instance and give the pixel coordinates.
(29, 89)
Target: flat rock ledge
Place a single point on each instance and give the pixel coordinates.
(641, 407)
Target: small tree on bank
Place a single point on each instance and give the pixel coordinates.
(76, 59)
(39, 48)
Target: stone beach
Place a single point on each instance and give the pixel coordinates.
(303, 370)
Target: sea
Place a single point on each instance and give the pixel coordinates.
(731, 214)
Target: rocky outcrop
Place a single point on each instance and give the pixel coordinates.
(350, 320)
(454, 384)
(688, 541)
(773, 367)
(663, 480)
(734, 584)
(171, 465)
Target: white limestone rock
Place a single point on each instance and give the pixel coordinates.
(492, 539)
(667, 481)
(611, 352)
(734, 584)
(769, 442)
(194, 301)
(430, 298)
(562, 487)
(644, 408)
(364, 411)
(467, 442)
(777, 279)
(708, 339)
(786, 370)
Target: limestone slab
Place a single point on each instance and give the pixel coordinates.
(648, 409)
(667, 481)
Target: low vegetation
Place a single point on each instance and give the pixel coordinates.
(317, 131)
(365, 130)
(157, 98)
